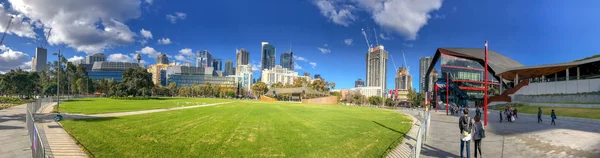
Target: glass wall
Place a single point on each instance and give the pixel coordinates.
(98, 75)
(190, 80)
(467, 74)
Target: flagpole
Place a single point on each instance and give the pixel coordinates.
(485, 82)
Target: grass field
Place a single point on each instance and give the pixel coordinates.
(106, 105)
(590, 113)
(245, 129)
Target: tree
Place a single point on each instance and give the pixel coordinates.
(332, 85)
(259, 88)
(389, 102)
(137, 82)
(492, 90)
(375, 100)
(172, 88)
(277, 85)
(80, 84)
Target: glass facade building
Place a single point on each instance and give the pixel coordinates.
(267, 56)
(116, 75)
(189, 80)
(467, 74)
(204, 59)
(111, 70)
(287, 60)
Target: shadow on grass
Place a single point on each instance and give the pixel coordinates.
(90, 119)
(387, 127)
(396, 141)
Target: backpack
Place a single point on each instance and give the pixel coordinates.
(482, 133)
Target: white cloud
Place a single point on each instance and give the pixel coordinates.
(405, 17)
(176, 16)
(299, 58)
(348, 41)
(186, 52)
(324, 50)
(313, 64)
(76, 58)
(86, 25)
(297, 67)
(255, 65)
(164, 41)
(119, 57)
(149, 1)
(143, 42)
(19, 26)
(339, 14)
(385, 37)
(410, 45)
(149, 51)
(439, 16)
(146, 34)
(12, 59)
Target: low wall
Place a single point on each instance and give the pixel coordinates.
(323, 100)
(574, 98)
(564, 87)
(561, 105)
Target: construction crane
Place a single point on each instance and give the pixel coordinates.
(366, 39)
(376, 40)
(47, 37)
(407, 67)
(6, 30)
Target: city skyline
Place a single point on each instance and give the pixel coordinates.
(321, 40)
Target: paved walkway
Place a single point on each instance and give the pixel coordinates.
(14, 139)
(407, 147)
(60, 143)
(523, 138)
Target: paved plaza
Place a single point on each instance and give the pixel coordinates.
(523, 138)
(14, 141)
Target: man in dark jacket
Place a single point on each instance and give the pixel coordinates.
(553, 115)
(465, 125)
(539, 115)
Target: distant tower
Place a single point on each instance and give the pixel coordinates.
(162, 59)
(377, 59)
(267, 59)
(287, 60)
(138, 58)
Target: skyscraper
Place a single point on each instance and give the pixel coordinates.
(423, 65)
(377, 59)
(94, 58)
(242, 57)
(267, 59)
(287, 60)
(203, 58)
(162, 59)
(217, 64)
(403, 80)
(38, 63)
(229, 68)
(359, 83)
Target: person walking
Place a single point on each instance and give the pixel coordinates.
(553, 115)
(515, 111)
(465, 125)
(477, 112)
(478, 134)
(539, 114)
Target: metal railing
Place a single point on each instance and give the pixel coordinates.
(37, 143)
(422, 133)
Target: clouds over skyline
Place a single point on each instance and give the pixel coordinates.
(176, 16)
(348, 41)
(12, 59)
(404, 17)
(164, 41)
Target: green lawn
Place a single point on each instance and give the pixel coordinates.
(590, 113)
(107, 105)
(245, 129)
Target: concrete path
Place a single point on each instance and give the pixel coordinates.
(60, 143)
(407, 147)
(523, 138)
(119, 114)
(14, 139)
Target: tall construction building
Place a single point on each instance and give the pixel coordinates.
(162, 59)
(424, 63)
(242, 57)
(94, 58)
(267, 59)
(38, 63)
(229, 68)
(217, 64)
(377, 59)
(287, 60)
(403, 83)
(203, 58)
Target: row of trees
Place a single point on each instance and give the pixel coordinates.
(262, 88)
(354, 97)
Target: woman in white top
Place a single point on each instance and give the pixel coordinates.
(478, 134)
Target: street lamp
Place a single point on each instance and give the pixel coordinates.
(58, 78)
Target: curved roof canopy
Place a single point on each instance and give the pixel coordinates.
(526, 72)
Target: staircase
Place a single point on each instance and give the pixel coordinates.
(504, 97)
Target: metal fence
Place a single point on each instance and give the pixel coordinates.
(37, 143)
(422, 133)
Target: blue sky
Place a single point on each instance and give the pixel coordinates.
(531, 32)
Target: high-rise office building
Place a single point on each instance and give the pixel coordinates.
(242, 57)
(377, 59)
(267, 59)
(229, 68)
(38, 63)
(217, 64)
(359, 83)
(203, 58)
(162, 59)
(432, 78)
(94, 58)
(287, 60)
(278, 74)
(424, 63)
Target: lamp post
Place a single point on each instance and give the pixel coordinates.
(58, 78)
(447, 90)
(485, 84)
